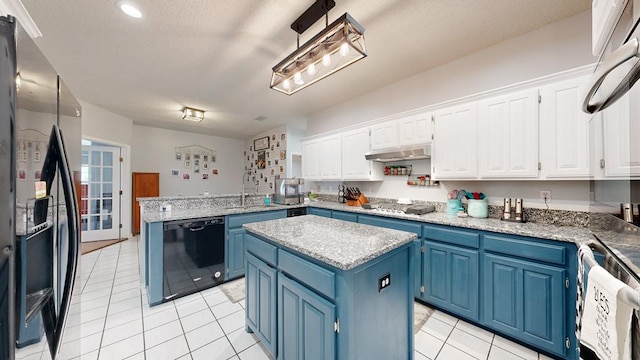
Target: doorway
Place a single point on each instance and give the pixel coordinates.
(101, 191)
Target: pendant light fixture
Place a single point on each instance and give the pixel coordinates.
(337, 46)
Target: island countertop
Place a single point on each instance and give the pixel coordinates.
(341, 244)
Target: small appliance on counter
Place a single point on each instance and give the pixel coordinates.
(513, 210)
(289, 191)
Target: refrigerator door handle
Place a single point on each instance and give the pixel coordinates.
(56, 159)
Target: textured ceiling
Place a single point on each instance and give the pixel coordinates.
(217, 55)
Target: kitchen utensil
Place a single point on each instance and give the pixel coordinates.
(461, 194)
(507, 209)
(519, 210)
(626, 211)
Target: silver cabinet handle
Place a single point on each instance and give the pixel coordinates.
(618, 57)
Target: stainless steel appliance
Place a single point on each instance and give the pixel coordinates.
(39, 238)
(193, 256)
(296, 212)
(288, 191)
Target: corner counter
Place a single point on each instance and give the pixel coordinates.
(313, 284)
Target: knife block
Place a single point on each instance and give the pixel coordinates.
(361, 200)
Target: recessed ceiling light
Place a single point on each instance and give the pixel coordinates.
(129, 9)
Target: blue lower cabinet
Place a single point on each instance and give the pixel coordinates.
(525, 300)
(235, 260)
(451, 278)
(418, 245)
(305, 323)
(260, 309)
(319, 212)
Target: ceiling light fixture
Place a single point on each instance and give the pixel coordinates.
(192, 114)
(327, 52)
(130, 9)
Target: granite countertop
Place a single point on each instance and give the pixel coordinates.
(578, 235)
(185, 214)
(338, 243)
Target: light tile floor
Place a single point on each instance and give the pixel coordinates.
(110, 319)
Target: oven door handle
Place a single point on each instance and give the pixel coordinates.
(618, 57)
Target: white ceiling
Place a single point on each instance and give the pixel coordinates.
(217, 55)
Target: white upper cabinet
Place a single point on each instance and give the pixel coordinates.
(508, 136)
(454, 143)
(564, 130)
(311, 159)
(384, 135)
(331, 157)
(414, 129)
(620, 135)
(355, 144)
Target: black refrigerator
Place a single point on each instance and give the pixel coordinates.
(40, 144)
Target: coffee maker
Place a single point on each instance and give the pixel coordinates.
(288, 191)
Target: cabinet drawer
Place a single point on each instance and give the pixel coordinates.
(238, 220)
(262, 250)
(391, 224)
(319, 212)
(525, 249)
(346, 216)
(314, 276)
(456, 237)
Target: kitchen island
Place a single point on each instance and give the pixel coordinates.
(319, 288)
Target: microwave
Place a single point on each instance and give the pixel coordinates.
(288, 191)
(613, 100)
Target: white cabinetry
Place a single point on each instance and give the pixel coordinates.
(355, 144)
(564, 130)
(620, 136)
(414, 129)
(331, 157)
(384, 135)
(454, 143)
(311, 159)
(508, 136)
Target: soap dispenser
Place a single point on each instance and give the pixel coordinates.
(267, 200)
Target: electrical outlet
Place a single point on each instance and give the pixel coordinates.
(545, 196)
(384, 281)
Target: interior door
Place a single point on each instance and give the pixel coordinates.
(144, 185)
(100, 197)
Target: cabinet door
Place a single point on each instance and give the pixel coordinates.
(354, 166)
(417, 273)
(450, 274)
(260, 314)
(508, 136)
(454, 143)
(319, 212)
(384, 135)
(305, 323)
(621, 145)
(564, 130)
(343, 215)
(525, 300)
(414, 129)
(311, 159)
(235, 253)
(331, 158)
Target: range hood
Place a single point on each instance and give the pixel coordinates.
(416, 152)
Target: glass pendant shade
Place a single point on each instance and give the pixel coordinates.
(337, 46)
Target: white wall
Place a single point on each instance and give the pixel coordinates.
(154, 149)
(101, 125)
(553, 48)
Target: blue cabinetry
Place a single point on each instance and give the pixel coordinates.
(305, 323)
(319, 212)
(451, 278)
(261, 301)
(343, 215)
(234, 247)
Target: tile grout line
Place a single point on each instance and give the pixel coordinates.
(110, 294)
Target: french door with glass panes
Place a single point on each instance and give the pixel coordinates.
(100, 193)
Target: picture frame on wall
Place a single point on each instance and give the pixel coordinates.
(261, 159)
(261, 143)
(175, 173)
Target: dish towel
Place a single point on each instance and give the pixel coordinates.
(606, 322)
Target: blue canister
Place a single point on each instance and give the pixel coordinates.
(453, 205)
(478, 208)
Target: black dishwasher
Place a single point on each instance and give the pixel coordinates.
(193, 255)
